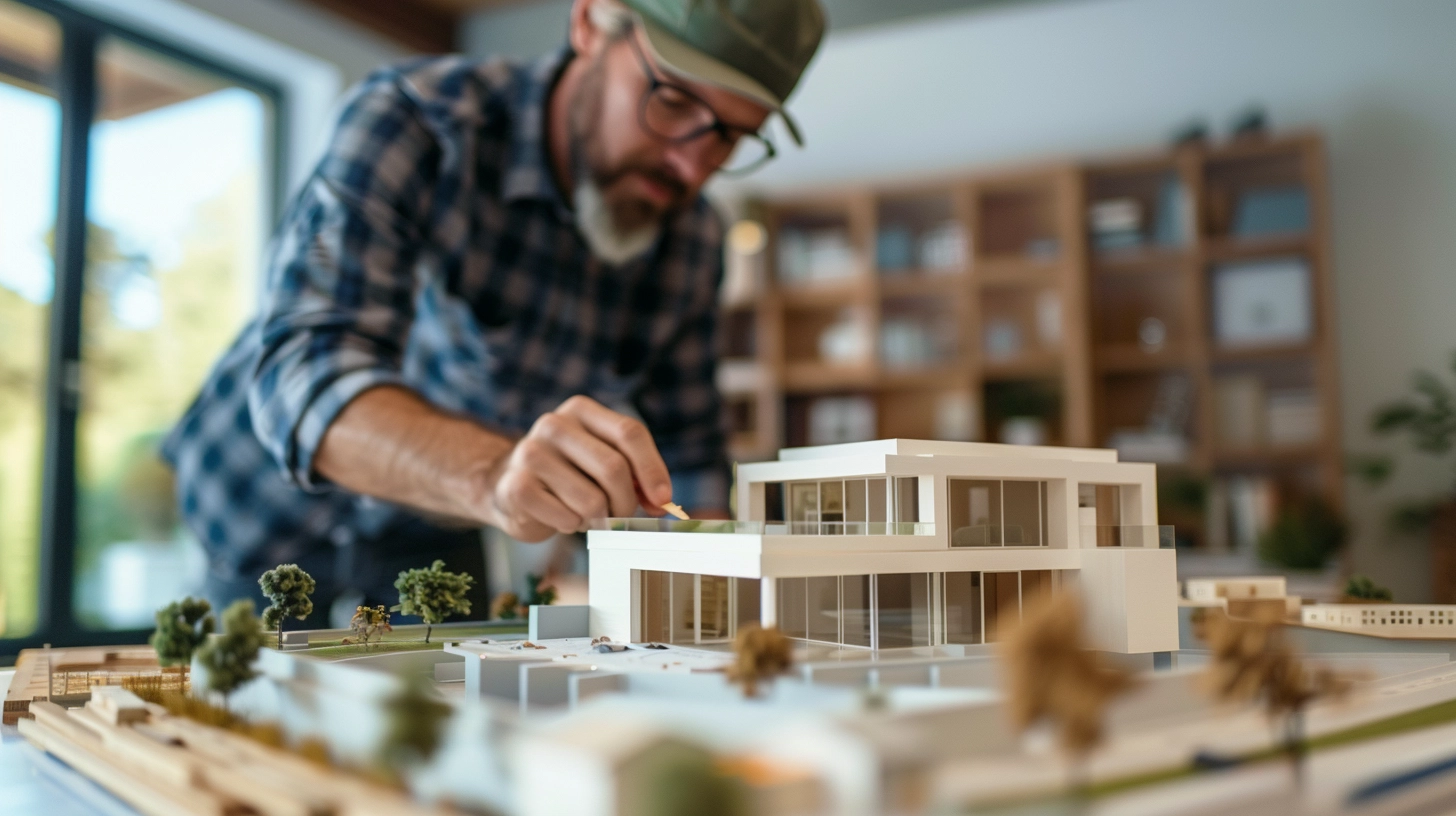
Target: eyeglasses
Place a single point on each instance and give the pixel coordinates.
(675, 114)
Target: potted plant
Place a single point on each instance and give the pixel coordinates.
(1427, 418)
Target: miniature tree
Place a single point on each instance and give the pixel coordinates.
(1252, 661)
(368, 623)
(541, 594)
(229, 657)
(506, 606)
(287, 588)
(759, 654)
(415, 724)
(1052, 676)
(433, 594)
(182, 626)
(1361, 588)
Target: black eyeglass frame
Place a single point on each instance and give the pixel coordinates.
(724, 131)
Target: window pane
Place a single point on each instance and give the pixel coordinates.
(748, 600)
(804, 506)
(683, 602)
(29, 49)
(975, 512)
(856, 608)
(907, 498)
(656, 606)
(714, 592)
(855, 508)
(878, 490)
(179, 181)
(792, 620)
(963, 607)
(831, 502)
(824, 609)
(904, 610)
(1023, 511)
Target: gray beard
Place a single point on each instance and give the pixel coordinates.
(606, 241)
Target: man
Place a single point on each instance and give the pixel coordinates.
(493, 303)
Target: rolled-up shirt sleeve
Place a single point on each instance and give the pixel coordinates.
(343, 274)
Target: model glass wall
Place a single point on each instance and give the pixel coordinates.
(870, 506)
(997, 513)
(681, 608)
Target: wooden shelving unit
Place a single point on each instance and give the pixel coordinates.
(863, 301)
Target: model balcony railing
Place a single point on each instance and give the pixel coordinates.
(1149, 536)
(667, 525)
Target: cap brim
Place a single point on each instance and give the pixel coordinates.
(682, 59)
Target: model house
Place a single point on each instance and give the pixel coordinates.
(896, 544)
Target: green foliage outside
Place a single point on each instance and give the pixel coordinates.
(229, 657)
(433, 594)
(182, 626)
(415, 724)
(1366, 589)
(1427, 420)
(287, 588)
(1305, 536)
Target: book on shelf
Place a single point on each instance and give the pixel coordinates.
(1292, 417)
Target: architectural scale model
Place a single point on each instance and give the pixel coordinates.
(899, 569)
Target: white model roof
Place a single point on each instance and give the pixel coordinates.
(922, 447)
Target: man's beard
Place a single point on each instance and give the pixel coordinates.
(620, 230)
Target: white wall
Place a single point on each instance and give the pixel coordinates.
(1024, 83)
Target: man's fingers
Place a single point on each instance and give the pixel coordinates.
(600, 461)
(631, 439)
(527, 502)
(580, 494)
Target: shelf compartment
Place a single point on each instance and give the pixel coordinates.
(919, 233)
(1017, 220)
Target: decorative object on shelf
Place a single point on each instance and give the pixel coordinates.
(1305, 535)
(1266, 211)
(1292, 417)
(906, 343)
(955, 417)
(1163, 439)
(943, 247)
(894, 249)
(1239, 411)
(1049, 318)
(1263, 302)
(844, 341)
(1428, 419)
(1024, 430)
(1116, 224)
(841, 419)
(815, 255)
(1152, 335)
(1250, 123)
(1173, 224)
(1003, 339)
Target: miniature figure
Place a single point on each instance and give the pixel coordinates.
(433, 594)
(229, 657)
(287, 588)
(760, 654)
(182, 626)
(1052, 676)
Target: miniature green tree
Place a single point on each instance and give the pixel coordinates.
(1361, 588)
(433, 594)
(287, 588)
(229, 657)
(182, 626)
(539, 595)
(415, 720)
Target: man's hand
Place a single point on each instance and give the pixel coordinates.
(579, 462)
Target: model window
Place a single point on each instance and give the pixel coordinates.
(907, 499)
(994, 513)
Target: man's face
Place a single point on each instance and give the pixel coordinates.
(641, 178)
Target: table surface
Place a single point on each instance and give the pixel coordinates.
(33, 783)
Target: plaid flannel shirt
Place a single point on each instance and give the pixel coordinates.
(431, 249)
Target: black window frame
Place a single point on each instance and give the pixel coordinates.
(75, 86)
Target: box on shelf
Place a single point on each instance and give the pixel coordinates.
(1263, 302)
(1293, 417)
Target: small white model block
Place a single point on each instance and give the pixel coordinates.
(1435, 621)
(1208, 590)
(896, 544)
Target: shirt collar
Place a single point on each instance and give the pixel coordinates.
(528, 166)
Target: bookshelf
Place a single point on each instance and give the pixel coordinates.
(1176, 305)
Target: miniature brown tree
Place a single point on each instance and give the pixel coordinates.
(1251, 661)
(759, 654)
(1052, 676)
(182, 626)
(287, 588)
(368, 623)
(433, 594)
(506, 606)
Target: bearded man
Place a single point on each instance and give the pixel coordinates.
(493, 303)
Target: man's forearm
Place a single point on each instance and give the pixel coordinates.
(392, 444)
